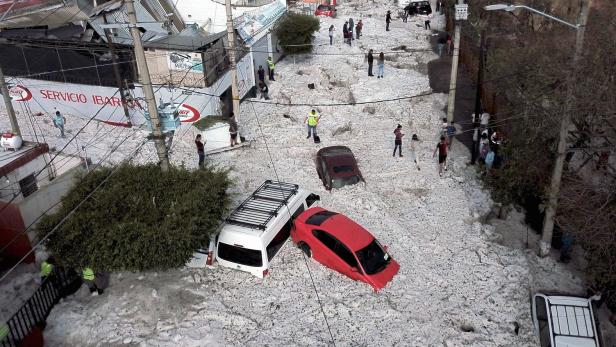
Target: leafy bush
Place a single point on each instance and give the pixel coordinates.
(139, 219)
(296, 29)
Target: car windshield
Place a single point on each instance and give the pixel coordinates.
(422, 3)
(323, 8)
(240, 255)
(373, 258)
(339, 182)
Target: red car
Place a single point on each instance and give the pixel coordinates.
(326, 10)
(343, 245)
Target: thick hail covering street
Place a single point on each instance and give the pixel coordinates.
(456, 285)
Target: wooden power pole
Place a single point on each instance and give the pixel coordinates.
(148, 91)
(9, 106)
(557, 173)
(231, 53)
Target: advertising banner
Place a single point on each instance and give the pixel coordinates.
(86, 101)
(254, 24)
(185, 61)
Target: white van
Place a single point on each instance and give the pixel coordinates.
(257, 229)
(565, 321)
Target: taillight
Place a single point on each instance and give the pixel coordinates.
(265, 272)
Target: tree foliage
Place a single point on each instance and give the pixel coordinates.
(139, 219)
(530, 64)
(297, 29)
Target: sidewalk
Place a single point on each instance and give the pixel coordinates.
(439, 72)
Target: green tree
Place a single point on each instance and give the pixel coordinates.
(297, 29)
(139, 219)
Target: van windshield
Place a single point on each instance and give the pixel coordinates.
(240, 255)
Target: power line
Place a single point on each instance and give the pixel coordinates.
(290, 215)
(52, 159)
(104, 157)
(55, 228)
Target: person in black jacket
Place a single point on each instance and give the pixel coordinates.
(261, 73)
(370, 61)
(387, 20)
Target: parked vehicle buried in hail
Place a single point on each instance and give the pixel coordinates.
(337, 167)
(565, 321)
(326, 10)
(339, 243)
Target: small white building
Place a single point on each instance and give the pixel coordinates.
(30, 185)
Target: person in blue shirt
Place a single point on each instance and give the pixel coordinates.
(451, 132)
(59, 121)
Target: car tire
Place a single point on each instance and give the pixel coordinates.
(306, 249)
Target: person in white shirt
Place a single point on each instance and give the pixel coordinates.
(485, 120)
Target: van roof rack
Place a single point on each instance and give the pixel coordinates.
(263, 205)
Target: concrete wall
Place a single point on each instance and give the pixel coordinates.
(158, 64)
(36, 204)
(10, 183)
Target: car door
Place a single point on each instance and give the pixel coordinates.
(349, 264)
(325, 253)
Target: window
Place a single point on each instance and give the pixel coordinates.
(339, 182)
(28, 185)
(373, 258)
(311, 199)
(278, 240)
(542, 319)
(319, 217)
(343, 168)
(240, 255)
(325, 238)
(346, 255)
(325, 173)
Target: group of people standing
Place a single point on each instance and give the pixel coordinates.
(380, 64)
(448, 132)
(347, 31)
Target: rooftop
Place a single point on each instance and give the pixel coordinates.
(11, 160)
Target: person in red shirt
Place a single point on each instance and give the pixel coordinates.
(398, 141)
(442, 148)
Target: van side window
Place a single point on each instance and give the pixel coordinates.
(542, 319)
(311, 199)
(278, 240)
(325, 238)
(346, 255)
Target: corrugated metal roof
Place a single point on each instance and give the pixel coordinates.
(122, 35)
(190, 39)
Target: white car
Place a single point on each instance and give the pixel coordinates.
(565, 321)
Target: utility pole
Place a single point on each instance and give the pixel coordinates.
(557, 173)
(144, 76)
(461, 14)
(231, 53)
(9, 105)
(116, 71)
(478, 94)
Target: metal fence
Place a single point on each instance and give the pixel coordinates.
(34, 311)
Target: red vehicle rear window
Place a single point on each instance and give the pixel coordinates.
(319, 217)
